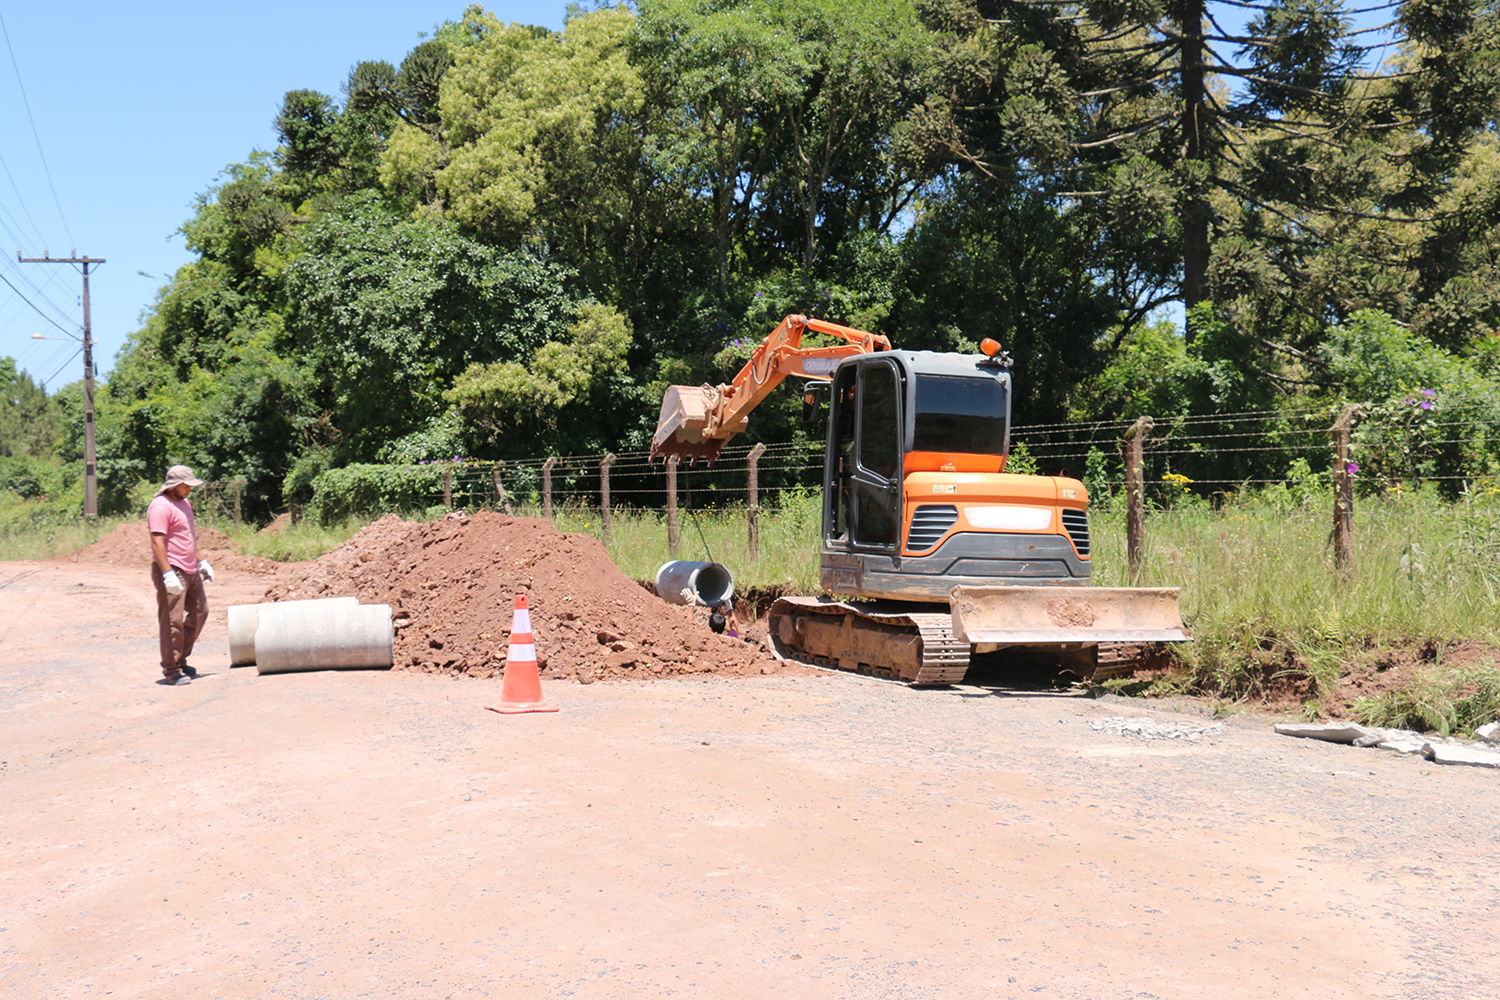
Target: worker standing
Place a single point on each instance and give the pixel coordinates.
(177, 573)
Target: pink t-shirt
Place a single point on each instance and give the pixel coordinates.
(174, 519)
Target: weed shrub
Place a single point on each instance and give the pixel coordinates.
(37, 496)
(1445, 701)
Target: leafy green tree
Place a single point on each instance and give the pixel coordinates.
(732, 74)
(835, 171)
(980, 265)
(394, 310)
(1269, 139)
(378, 89)
(544, 141)
(531, 402)
(324, 150)
(28, 425)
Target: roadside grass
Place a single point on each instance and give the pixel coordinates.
(1446, 701)
(31, 533)
(297, 542)
(1273, 618)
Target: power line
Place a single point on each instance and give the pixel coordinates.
(33, 305)
(35, 137)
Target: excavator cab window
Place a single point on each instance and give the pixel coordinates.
(879, 456)
(864, 503)
(864, 449)
(838, 516)
(960, 414)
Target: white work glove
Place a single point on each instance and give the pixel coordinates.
(172, 582)
(205, 570)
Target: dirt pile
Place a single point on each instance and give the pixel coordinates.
(131, 543)
(452, 585)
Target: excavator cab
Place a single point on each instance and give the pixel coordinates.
(912, 437)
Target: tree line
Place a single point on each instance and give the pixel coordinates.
(505, 245)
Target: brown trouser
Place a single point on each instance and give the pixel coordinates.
(179, 618)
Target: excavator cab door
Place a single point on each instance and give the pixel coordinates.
(864, 483)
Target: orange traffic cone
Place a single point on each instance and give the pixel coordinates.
(522, 691)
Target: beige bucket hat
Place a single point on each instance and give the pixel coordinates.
(177, 475)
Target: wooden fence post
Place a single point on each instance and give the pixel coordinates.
(448, 488)
(1343, 491)
(500, 497)
(609, 460)
(547, 486)
(1135, 497)
(752, 510)
(672, 506)
(239, 487)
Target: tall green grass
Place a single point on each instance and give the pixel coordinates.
(298, 542)
(33, 537)
(1267, 607)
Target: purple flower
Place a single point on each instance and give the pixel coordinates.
(1429, 393)
(1426, 405)
(1352, 468)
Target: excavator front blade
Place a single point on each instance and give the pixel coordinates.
(679, 429)
(1033, 616)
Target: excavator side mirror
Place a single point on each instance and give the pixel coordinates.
(814, 395)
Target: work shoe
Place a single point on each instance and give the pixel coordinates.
(179, 679)
(192, 672)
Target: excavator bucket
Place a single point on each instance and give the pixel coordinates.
(679, 429)
(1046, 615)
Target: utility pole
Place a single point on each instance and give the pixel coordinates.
(90, 474)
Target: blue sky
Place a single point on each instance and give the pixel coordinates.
(115, 117)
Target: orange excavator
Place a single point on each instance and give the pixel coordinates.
(949, 556)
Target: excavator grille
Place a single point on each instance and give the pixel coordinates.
(1076, 523)
(929, 523)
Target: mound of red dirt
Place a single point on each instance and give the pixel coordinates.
(452, 584)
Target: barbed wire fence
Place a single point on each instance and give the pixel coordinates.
(1210, 458)
(1206, 455)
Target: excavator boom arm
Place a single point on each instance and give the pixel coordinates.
(697, 421)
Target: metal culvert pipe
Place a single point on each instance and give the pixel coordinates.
(313, 637)
(706, 583)
(245, 618)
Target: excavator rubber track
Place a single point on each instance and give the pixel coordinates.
(1093, 632)
(917, 647)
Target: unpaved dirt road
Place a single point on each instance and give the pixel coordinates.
(369, 834)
